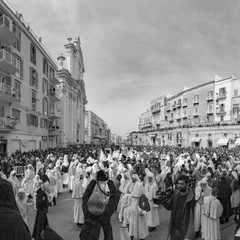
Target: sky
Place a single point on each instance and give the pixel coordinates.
(137, 50)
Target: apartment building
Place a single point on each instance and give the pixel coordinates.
(96, 130)
(146, 121)
(204, 115)
(32, 106)
(116, 139)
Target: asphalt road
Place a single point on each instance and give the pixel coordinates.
(61, 220)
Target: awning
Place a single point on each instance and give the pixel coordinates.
(223, 141)
(237, 142)
(197, 139)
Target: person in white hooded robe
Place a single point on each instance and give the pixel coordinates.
(124, 215)
(138, 222)
(212, 210)
(151, 189)
(202, 190)
(124, 188)
(21, 200)
(77, 194)
(14, 181)
(29, 175)
(71, 172)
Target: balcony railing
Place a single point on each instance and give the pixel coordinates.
(53, 96)
(195, 114)
(222, 95)
(174, 106)
(209, 98)
(154, 110)
(209, 111)
(5, 88)
(195, 101)
(6, 94)
(8, 124)
(54, 115)
(8, 31)
(179, 104)
(178, 117)
(184, 104)
(8, 62)
(168, 109)
(221, 111)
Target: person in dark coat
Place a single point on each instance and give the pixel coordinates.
(224, 196)
(12, 225)
(181, 204)
(41, 220)
(97, 214)
(41, 173)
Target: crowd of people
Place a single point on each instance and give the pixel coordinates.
(200, 186)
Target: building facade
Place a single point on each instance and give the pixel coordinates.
(72, 95)
(116, 139)
(206, 115)
(96, 130)
(31, 100)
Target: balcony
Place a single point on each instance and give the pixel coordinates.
(184, 104)
(178, 118)
(155, 110)
(8, 63)
(54, 115)
(179, 104)
(8, 124)
(174, 106)
(209, 111)
(6, 94)
(8, 31)
(171, 119)
(209, 98)
(185, 116)
(53, 96)
(195, 101)
(222, 95)
(53, 132)
(168, 109)
(196, 114)
(54, 81)
(221, 111)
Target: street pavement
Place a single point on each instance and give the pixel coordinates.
(61, 220)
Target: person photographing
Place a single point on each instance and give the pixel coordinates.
(98, 213)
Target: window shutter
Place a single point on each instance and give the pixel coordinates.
(43, 105)
(36, 80)
(48, 88)
(36, 121)
(43, 83)
(8, 80)
(47, 125)
(30, 77)
(21, 68)
(41, 122)
(28, 120)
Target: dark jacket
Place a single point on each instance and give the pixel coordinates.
(92, 224)
(7, 198)
(41, 220)
(12, 225)
(187, 224)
